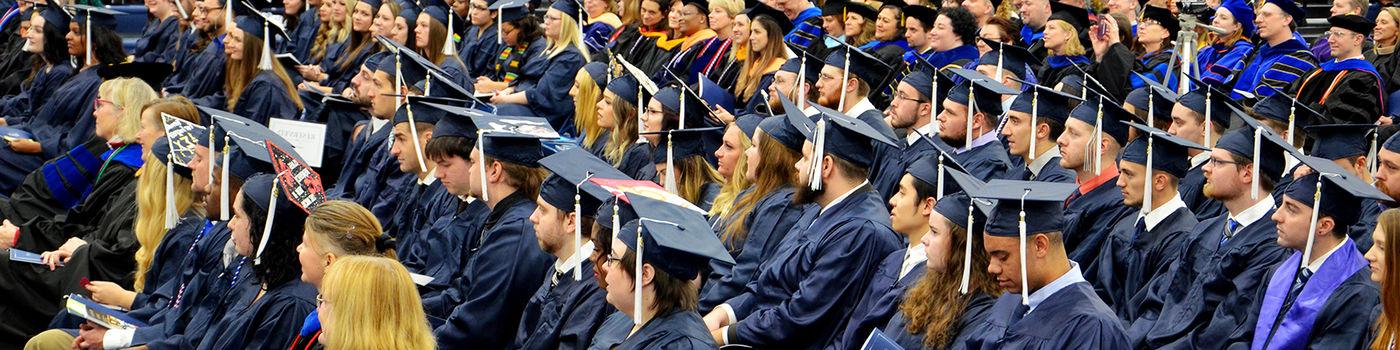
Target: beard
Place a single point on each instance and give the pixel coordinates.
(953, 140)
(805, 195)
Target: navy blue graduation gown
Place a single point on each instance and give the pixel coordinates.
(887, 167)
(679, 330)
(304, 34)
(637, 164)
(1085, 218)
(63, 122)
(458, 72)
(169, 254)
(542, 81)
(1192, 190)
(974, 314)
(768, 225)
(480, 50)
(986, 162)
(564, 315)
(456, 238)
(229, 292)
(270, 323)
(418, 207)
(158, 40)
(1329, 312)
(805, 293)
(1051, 171)
(205, 87)
(1210, 289)
(1128, 260)
(338, 73)
(507, 268)
(186, 291)
(613, 331)
(360, 152)
(372, 187)
(16, 109)
(1360, 232)
(1072, 318)
(264, 98)
(881, 300)
(599, 146)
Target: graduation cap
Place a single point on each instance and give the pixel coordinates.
(760, 9)
(1108, 119)
(835, 8)
(1166, 19)
(181, 137)
(244, 150)
(857, 62)
(841, 136)
(926, 15)
(1291, 8)
(673, 239)
(513, 139)
(1209, 102)
(1158, 150)
(1341, 141)
(152, 73)
(1354, 23)
(415, 111)
(260, 26)
(55, 15)
(781, 128)
(162, 151)
(1076, 16)
(574, 8)
(933, 169)
(566, 188)
(293, 192)
(1024, 207)
(968, 213)
(438, 10)
(89, 16)
(681, 144)
(1281, 107)
(980, 93)
(408, 9)
(748, 124)
(1155, 99)
(598, 71)
(861, 9)
(457, 122)
(1343, 194)
(702, 5)
(510, 10)
(1007, 57)
(1040, 101)
(807, 66)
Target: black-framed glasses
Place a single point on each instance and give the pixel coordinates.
(1214, 162)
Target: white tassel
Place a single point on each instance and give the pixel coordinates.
(267, 226)
(845, 77)
(1025, 286)
(1292, 109)
(939, 191)
(637, 286)
(1098, 139)
(170, 216)
(934, 102)
(971, 112)
(814, 176)
(223, 185)
(967, 251)
(800, 96)
(670, 180)
(87, 40)
(1372, 165)
(417, 145)
(266, 62)
(1035, 113)
(228, 13)
(1208, 121)
(1254, 187)
(181, 8)
(1147, 178)
(499, 32)
(578, 223)
(481, 157)
(1312, 225)
(448, 47)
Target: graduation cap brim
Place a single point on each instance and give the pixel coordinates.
(983, 81)
(849, 123)
(688, 228)
(1011, 51)
(1302, 111)
(1046, 90)
(1157, 87)
(1342, 178)
(1163, 135)
(577, 166)
(514, 126)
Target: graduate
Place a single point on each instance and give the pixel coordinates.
(449, 241)
(1046, 287)
(1141, 244)
(587, 89)
(537, 91)
(482, 41)
(505, 163)
(423, 200)
(697, 48)
(1094, 135)
(158, 40)
(764, 55)
(1009, 65)
(1202, 123)
(433, 37)
(1321, 302)
(342, 59)
(795, 298)
(1212, 288)
(968, 125)
(303, 24)
(681, 165)
(764, 215)
(204, 86)
(258, 87)
(46, 40)
(522, 38)
(844, 85)
(786, 82)
(618, 325)
(335, 231)
(1342, 98)
(1152, 103)
(915, 108)
(565, 312)
(1348, 147)
(65, 120)
(1035, 143)
(626, 149)
(1281, 58)
(649, 269)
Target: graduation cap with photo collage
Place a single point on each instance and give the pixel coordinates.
(181, 137)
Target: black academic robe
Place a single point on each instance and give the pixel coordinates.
(104, 221)
(1084, 231)
(1072, 318)
(17, 108)
(805, 292)
(613, 331)
(360, 152)
(270, 323)
(637, 164)
(564, 314)
(726, 74)
(430, 249)
(1051, 171)
(157, 42)
(768, 225)
(64, 122)
(973, 315)
(1129, 259)
(1192, 190)
(1345, 92)
(881, 300)
(456, 238)
(265, 98)
(509, 257)
(1387, 66)
(679, 330)
(1210, 289)
(36, 197)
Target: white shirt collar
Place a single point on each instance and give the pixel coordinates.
(843, 197)
(913, 257)
(861, 107)
(432, 177)
(1317, 264)
(1064, 281)
(929, 129)
(1154, 217)
(466, 198)
(1200, 158)
(376, 123)
(1255, 212)
(986, 138)
(1041, 160)
(566, 265)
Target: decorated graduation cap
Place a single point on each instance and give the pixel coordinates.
(88, 16)
(1341, 141)
(294, 190)
(673, 238)
(1108, 119)
(760, 9)
(1076, 16)
(1342, 191)
(1009, 58)
(1281, 107)
(680, 144)
(264, 28)
(177, 151)
(840, 136)
(1158, 150)
(856, 62)
(1165, 18)
(512, 139)
(1024, 207)
(1354, 23)
(966, 212)
(569, 190)
(152, 73)
(1244, 14)
(1042, 102)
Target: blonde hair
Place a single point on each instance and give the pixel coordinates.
(737, 181)
(731, 7)
(373, 304)
(150, 212)
(1388, 322)
(1394, 13)
(692, 173)
(569, 34)
(624, 131)
(867, 31)
(128, 94)
(345, 228)
(328, 33)
(1072, 46)
(630, 12)
(586, 107)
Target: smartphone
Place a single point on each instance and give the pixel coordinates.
(1102, 24)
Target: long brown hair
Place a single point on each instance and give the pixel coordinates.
(238, 74)
(1388, 323)
(933, 306)
(624, 131)
(762, 62)
(774, 171)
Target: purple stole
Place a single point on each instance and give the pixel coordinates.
(1297, 323)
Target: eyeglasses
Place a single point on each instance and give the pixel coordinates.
(1339, 34)
(612, 260)
(97, 103)
(901, 96)
(479, 7)
(1214, 162)
(204, 9)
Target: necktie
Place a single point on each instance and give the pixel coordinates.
(1299, 282)
(1231, 227)
(1140, 229)
(1019, 312)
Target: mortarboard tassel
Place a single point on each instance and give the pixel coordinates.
(1035, 114)
(1098, 138)
(170, 217)
(578, 222)
(971, 111)
(967, 251)
(637, 286)
(682, 102)
(181, 8)
(87, 39)
(1254, 187)
(797, 83)
(1373, 164)
(306, 5)
(1312, 225)
(845, 77)
(1292, 110)
(267, 226)
(1147, 180)
(999, 63)
(481, 156)
(934, 101)
(448, 47)
(398, 80)
(417, 145)
(1151, 107)
(939, 194)
(1208, 120)
(223, 185)
(641, 108)
(1021, 227)
(670, 181)
(228, 12)
(814, 174)
(500, 32)
(212, 125)
(266, 60)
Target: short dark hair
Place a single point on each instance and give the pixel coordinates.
(964, 24)
(849, 169)
(442, 147)
(672, 293)
(1056, 128)
(1265, 183)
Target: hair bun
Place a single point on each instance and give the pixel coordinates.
(384, 243)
